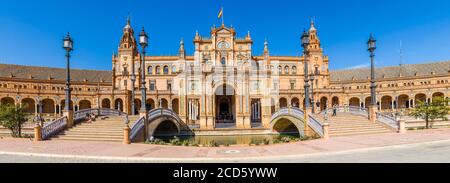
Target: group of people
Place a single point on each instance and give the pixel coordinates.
(90, 117)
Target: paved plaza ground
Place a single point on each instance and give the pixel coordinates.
(415, 146)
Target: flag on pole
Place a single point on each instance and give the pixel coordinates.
(220, 13)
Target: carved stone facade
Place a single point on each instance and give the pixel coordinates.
(222, 84)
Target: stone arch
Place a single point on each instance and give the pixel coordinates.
(323, 103)
(420, 97)
(63, 104)
(137, 105)
(166, 128)
(166, 70)
(106, 103)
(354, 102)
(335, 101)
(48, 106)
(287, 125)
(283, 103)
(30, 105)
(176, 106)
(386, 102)
(84, 104)
(368, 101)
(150, 104)
(295, 102)
(119, 105)
(7, 100)
(438, 95)
(164, 103)
(403, 101)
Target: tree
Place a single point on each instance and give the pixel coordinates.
(13, 117)
(437, 109)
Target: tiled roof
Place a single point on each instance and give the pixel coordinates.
(426, 69)
(44, 73)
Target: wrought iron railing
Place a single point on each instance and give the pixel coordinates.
(136, 128)
(388, 120)
(315, 124)
(54, 128)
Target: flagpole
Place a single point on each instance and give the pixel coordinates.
(223, 24)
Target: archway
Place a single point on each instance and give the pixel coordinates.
(30, 105)
(438, 95)
(386, 102)
(295, 102)
(335, 101)
(85, 104)
(48, 106)
(137, 106)
(286, 126)
(106, 103)
(283, 103)
(118, 104)
(176, 106)
(354, 102)
(150, 104)
(225, 105)
(323, 103)
(164, 104)
(166, 128)
(7, 100)
(420, 98)
(368, 101)
(403, 101)
(63, 105)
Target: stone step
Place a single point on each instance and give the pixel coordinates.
(356, 133)
(91, 136)
(92, 133)
(88, 139)
(359, 130)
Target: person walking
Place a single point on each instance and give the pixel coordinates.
(334, 110)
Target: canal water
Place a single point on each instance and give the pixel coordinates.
(233, 140)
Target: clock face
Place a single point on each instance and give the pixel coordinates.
(223, 45)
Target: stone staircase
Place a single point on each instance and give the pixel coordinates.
(109, 129)
(346, 124)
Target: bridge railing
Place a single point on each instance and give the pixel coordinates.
(388, 120)
(350, 109)
(136, 128)
(81, 114)
(315, 124)
(54, 128)
(155, 113)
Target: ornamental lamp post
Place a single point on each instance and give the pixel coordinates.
(305, 44)
(143, 41)
(68, 112)
(371, 46)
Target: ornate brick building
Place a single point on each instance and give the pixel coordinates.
(222, 84)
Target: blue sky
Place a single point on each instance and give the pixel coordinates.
(31, 31)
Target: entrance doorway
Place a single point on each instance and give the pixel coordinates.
(225, 110)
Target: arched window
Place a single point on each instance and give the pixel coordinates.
(158, 70)
(150, 70)
(174, 69)
(286, 70)
(223, 61)
(294, 70)
(280, 70)
(166, 70)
